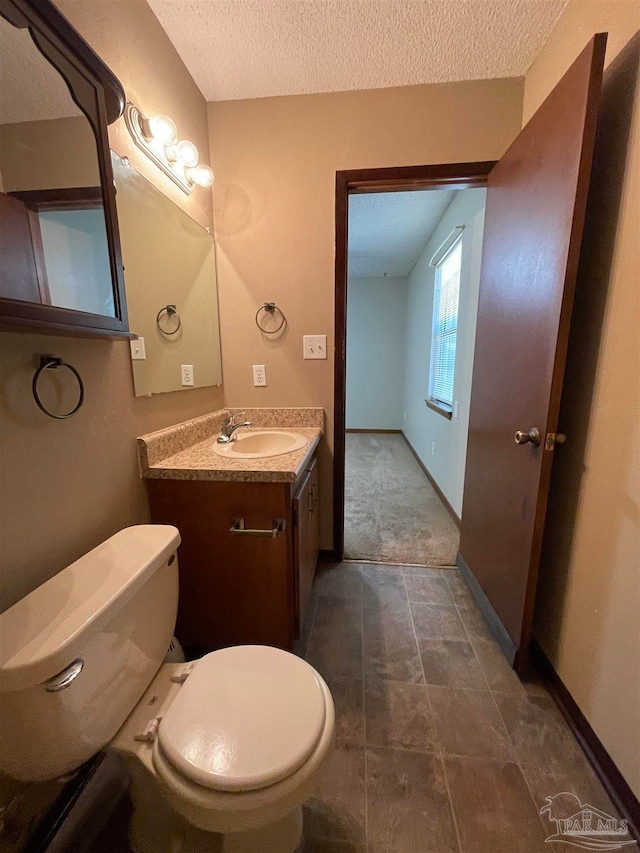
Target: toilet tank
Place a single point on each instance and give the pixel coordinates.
(79, 651)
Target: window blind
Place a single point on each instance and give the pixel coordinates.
(445, 325)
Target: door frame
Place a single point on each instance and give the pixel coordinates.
(452, 176)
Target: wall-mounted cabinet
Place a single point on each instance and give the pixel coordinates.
(247, 560)
(60, 262)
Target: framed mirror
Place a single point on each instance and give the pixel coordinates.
(60, 259)
(170, 279)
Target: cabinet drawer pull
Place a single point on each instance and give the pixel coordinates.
(238, 528)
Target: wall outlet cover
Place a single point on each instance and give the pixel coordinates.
(187, 374)
(138, 352)
(259, 375)
(314, 346)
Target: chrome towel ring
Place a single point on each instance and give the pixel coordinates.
(52, 362)
(171, 311)
(270, 309)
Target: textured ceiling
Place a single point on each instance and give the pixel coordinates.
(388, 231)
(258, 48)
(30, 88)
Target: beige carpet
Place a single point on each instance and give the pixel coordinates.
(392, 513)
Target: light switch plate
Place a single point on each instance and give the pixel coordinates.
(314, 346)
(187, 374)
(456, 408)
(259, 375)
(137, 349)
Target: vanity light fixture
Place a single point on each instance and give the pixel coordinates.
(201, 175)
(158, 138)
(187, 153)
(161, 128)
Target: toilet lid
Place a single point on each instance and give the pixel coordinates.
(245, 718)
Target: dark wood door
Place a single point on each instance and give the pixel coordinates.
(536, 200)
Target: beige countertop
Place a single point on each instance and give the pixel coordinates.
(185, 452)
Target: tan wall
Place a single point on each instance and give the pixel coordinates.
(128, 36)
(66, 485)
(275, 161)
(46, 155)
(589, 602)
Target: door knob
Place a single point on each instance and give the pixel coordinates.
(530, 437)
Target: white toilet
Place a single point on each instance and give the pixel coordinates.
(222, 751)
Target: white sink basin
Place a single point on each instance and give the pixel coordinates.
(258, 444)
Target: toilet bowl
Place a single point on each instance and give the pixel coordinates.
(240, 767)
(222, 751)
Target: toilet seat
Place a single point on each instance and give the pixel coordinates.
(246, 718)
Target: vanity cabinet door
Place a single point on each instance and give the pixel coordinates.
(314, 520)
(234, 589)
(306, 539)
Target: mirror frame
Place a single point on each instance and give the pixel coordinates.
(101, 97)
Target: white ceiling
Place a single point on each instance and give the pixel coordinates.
(388, 231)
(258, 48)
(30, 87)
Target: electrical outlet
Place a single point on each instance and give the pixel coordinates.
(433, 448)
(137, 349)
(314, 346)
(259, 375)
(187, 374)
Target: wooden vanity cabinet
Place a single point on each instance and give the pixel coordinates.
(237, 588)
(306, 538)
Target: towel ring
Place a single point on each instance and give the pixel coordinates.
(270, 308)
(52, 362)
(171, 311)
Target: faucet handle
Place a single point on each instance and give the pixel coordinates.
(234, 415)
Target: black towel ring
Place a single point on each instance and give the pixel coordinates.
(172, 311)
(270, 308)
(52, 362)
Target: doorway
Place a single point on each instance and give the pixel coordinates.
(386, 498)
(535, 208)
(413, 269)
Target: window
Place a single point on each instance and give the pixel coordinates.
(445, 325)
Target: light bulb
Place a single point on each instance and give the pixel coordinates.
(163, 129)
(187, 153)
(201, 175)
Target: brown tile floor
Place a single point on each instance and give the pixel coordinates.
(440, 747)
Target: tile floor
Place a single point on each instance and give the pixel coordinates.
(440, 747)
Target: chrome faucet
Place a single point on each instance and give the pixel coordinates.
(229, 427)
